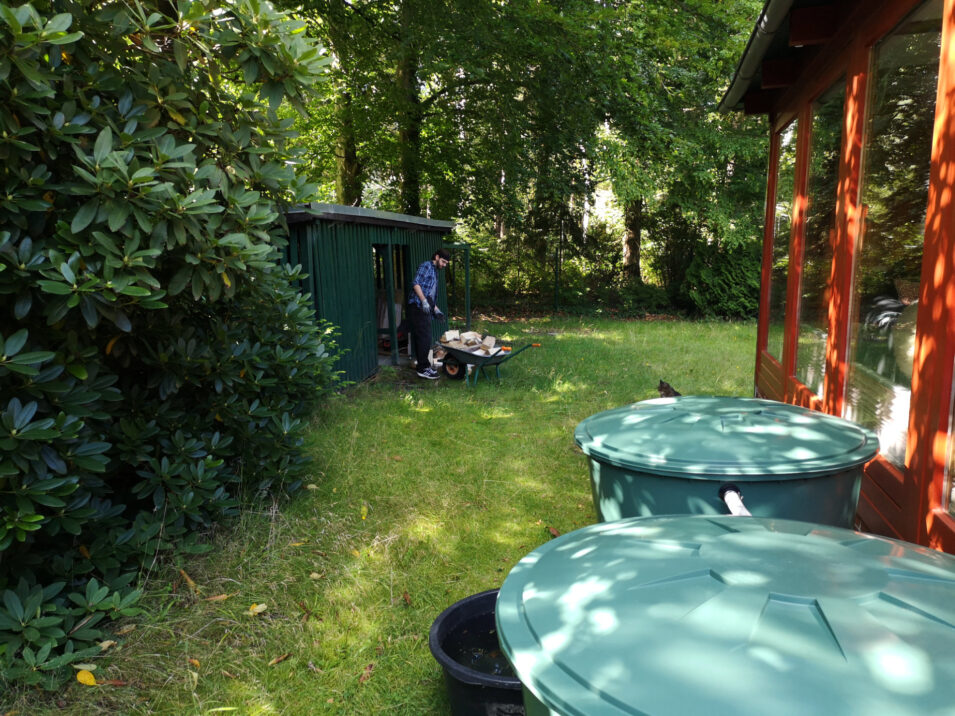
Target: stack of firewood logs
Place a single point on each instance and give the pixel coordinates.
(469, 341)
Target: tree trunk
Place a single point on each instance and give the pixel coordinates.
(633, 231)
(348, 184)
(409, 130)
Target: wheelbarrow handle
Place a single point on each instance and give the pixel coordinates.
(524, 348)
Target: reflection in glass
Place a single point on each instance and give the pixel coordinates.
(894, 197)
(785, 185)
(820, 223)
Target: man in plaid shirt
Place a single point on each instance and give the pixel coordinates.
(422, 307)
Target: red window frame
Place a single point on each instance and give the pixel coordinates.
(908, 503)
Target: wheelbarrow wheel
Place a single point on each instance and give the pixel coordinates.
(454, 369)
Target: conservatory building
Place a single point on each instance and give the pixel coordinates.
(857, 308)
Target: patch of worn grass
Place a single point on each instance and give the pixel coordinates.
(422, 493)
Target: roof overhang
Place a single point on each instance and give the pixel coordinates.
(786, 36)
(359, 215)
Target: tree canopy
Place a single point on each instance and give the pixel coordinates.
(510, 115)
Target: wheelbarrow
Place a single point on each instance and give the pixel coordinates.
(457, 362)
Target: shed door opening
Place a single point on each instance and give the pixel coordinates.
(391, 285)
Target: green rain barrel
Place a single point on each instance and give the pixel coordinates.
(677, 456)
(696, 614)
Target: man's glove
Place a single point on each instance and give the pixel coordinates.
(425, 306)
(438, 314)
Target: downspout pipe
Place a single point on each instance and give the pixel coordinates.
(733, 498)
(773, 14)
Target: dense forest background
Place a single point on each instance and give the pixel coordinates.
(576, 142)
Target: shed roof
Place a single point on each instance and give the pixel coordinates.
(786, 36)
(359, 215)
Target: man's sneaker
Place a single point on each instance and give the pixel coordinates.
(428, 373)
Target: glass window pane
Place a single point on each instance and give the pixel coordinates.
(785, 185)
(820, 223)
(894, 197)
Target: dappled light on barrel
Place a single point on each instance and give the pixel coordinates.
(675, 456)
(901, 668)
(693, 614)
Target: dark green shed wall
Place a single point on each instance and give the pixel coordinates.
(338, 257)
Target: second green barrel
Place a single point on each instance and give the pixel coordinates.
(676, 456)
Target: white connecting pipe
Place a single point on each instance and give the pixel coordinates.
(733, 498)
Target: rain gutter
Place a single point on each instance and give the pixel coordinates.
(773, 14)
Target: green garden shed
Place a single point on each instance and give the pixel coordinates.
(359, 265)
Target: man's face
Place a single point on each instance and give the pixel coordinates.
(442, 263)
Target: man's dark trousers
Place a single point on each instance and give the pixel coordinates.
(421, 335)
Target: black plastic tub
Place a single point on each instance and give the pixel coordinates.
(463, 640)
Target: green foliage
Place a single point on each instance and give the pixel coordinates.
(643, 298)
(671, 246)
(49, 630)
(590, 281)
(155, 360)
(724, 281)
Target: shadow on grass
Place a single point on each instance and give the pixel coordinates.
(422, 494)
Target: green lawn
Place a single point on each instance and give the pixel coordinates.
(422, 493)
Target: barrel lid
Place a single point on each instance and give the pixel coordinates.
(731, 615)
(712, 436)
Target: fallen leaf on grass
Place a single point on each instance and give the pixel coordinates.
(113, 682)
(84, 667)
(311, 486)
(553, 531)
(407, 598)
(366, 674)
(192, 585)
(257, 608)
(104, 645)
(364, 511)
(194, 662)
(84, 551)
(217, 598)
(312, 667)
(397, 458)
(85, 678)
(279, 659)
(297, 544)
(315, 575)
(125, 629)
(306, 612)
(356, 553)
(228, 675)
